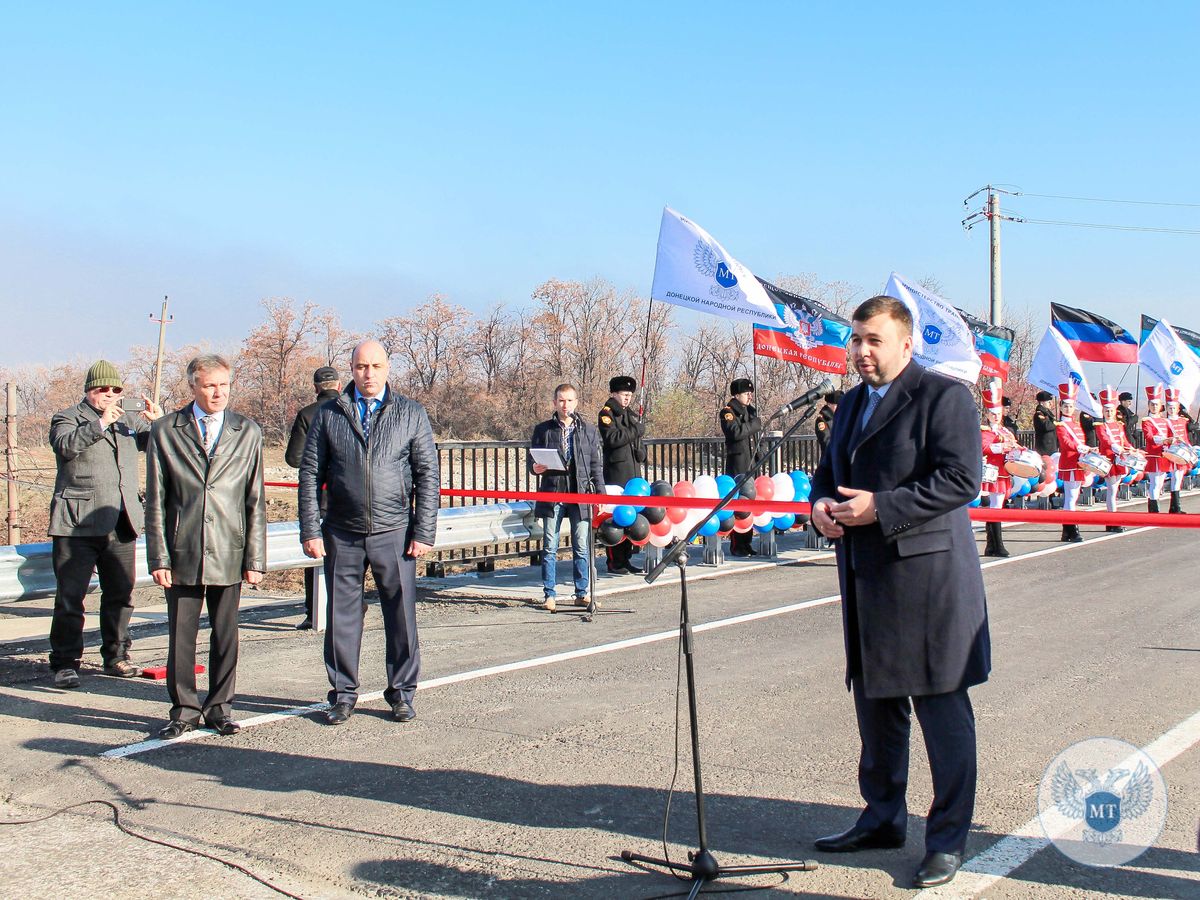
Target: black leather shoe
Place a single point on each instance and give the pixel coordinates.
(224, 727)
(937, 868)
(1115, 529)
(338, 713)
(175, 728)
(403, 712)
(305, 625)
(860, 839)
(635, 570)
(618, 570)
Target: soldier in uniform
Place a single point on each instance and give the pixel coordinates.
(1179, 432)
(997, 439)
(1071, 445)
(1045, 436)
(621, 431)
(741, 426)
(824, 424)
(1126, 416)
(1157, 433)
(1112, 442)
(1008, 421)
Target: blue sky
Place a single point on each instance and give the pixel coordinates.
(366, 155)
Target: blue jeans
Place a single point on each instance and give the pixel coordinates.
(580, 550)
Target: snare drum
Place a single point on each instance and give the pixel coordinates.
(1181, 453)
(1132, 460)
(1095, 462)
(1023, 462)
(990, 473)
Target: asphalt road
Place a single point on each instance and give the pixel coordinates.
(529, 782)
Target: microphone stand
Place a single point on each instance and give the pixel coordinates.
(703, 866)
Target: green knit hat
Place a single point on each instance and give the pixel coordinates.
(102, 374)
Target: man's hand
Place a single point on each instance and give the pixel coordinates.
(858, 510)
(538, 468)
(416, 549)
(152, 410)
(162, 577)
(252, 577)
(823, 521)
(110, 415)
(314, 548)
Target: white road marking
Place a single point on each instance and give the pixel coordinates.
(982, 871)
(473, 674)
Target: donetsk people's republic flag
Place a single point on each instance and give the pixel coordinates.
(818, 340)
(1092, 337)
(693, 270)
(941, 339)
(993, 343)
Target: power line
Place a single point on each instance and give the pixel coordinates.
(1145, 228)
(1104, 200)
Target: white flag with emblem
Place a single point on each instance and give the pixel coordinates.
(1166, 358)
(693, 270)
(941, 339)
(1055, 363)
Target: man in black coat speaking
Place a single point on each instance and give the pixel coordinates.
(892, 491)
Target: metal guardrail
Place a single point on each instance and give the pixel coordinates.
(26, 571)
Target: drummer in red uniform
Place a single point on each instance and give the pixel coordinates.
(1112, 442)
(1157, 432)
(997, 441)
(1178, 424)
(1071, 446)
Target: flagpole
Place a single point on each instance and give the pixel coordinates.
(645, 353)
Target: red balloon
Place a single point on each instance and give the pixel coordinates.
(661, 528)
(641, 543)
(684, 489)
(764, 487)
(676, 514)
(599, 517)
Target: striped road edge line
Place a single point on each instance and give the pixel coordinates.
(471, 675)
(981, 872)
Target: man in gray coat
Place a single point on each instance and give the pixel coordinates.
(206, 526)
(95, 518)
(374, 452)
(892, 491)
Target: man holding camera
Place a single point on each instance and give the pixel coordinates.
(95, 518)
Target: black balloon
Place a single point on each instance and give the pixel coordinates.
(610, 534)
(749, 491)
(654, 514)
(639, 530)
(662, 489)
(742, 515)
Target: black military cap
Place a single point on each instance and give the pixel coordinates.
(740, 386)
(622, 383)
(1125, 395)
(1043, 396)
(325, 373)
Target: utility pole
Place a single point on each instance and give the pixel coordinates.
(163, 321)
(991, 212)
(10, 469)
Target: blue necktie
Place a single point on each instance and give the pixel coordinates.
(366, 407)
(872, 402)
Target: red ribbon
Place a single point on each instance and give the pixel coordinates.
(778, 507)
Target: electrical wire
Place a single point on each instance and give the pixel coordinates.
(124, 829)
(1145, 228)
(1105, 200)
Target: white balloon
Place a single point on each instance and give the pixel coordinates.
(764, 519)
(785, 488)
(706, 486)
(661, 540)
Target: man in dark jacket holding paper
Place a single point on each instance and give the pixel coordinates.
(577, 447)
(892, 492)
(373, 450)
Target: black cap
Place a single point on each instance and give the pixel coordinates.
(1125, 395)
(622, 383)
(1043, 396)
(740, 386)
(1007, 401)
(325, 373)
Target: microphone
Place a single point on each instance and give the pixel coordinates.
(809, 396)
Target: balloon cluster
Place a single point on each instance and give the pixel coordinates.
(641, 523)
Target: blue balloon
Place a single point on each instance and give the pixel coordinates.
(637, 487)
(1022, 490)
(1128, 477)
(711, 527)
(724, 484)
(763, 529)
(974, 502)
(784, 522)
(725, 515)
(624, 516)
(1034, 481)
(1059, 482)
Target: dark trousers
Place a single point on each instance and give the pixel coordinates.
(739, 542)
(184, 602)
(618, 556)
(310, 588)
(347, 556)
(948, 723)
(111, 557)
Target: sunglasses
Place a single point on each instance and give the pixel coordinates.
(109, 389)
